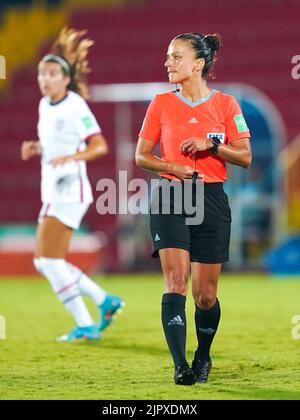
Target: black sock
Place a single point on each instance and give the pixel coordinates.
(174, 323)
(207, 322)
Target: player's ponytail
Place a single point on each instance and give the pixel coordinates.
(70, 49)
(205, 46)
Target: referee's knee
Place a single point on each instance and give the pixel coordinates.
(204, 300)
(176, 281)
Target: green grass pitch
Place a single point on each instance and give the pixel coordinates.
(254, 354)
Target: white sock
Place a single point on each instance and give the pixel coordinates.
(65, 287)
(87, 286)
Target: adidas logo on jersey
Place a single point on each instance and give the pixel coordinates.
(193, 121)
(176, 321)
(157, 237)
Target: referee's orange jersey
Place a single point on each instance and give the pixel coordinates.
(172, 118)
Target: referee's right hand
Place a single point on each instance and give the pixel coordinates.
(182, 172)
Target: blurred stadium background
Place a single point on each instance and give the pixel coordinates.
(131, 36)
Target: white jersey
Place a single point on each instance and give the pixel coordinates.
(63, 130)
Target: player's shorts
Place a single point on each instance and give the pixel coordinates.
(207, 242)
(70, 214)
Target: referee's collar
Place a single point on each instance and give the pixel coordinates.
(196, 103)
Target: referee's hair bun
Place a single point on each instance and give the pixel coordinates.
(213, 41)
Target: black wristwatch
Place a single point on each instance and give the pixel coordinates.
(216, 143)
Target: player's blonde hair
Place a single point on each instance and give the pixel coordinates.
(74, 50)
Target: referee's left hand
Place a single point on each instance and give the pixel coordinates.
(192, 145)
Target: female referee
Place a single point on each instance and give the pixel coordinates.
(199, 129)
(69, 135)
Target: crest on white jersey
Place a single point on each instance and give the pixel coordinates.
(59, 124)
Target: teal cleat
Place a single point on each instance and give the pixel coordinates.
(109, 307)
(80, 334)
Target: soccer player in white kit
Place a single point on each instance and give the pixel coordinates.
(69, 136)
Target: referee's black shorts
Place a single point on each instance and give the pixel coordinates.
(207, 242)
